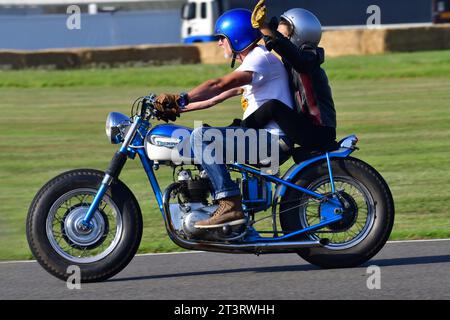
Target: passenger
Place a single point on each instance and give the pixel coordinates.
(295, 38)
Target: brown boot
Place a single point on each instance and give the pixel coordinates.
(229, 212)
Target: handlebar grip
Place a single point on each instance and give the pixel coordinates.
(144, 108)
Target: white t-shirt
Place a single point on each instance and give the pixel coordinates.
(270, 81)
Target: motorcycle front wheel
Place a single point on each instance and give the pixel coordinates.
(57, 239)
(367, 220)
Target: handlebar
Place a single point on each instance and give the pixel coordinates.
(147, 109)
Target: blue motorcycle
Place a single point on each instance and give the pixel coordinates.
(331, 209)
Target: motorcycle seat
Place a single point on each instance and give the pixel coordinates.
(265, 163)
(300, 154)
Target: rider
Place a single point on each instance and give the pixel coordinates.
(257, 76)
(314, 124)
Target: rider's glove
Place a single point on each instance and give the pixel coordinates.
(259, 14)
(169, 105)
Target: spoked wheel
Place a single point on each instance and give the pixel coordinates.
(59, 240)
(71, 239)
(367, 218)
(357, 219)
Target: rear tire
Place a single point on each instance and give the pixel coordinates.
(368, 221)
(57, 243)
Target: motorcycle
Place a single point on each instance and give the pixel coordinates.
(331, 209)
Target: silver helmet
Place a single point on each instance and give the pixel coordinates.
(306, 27)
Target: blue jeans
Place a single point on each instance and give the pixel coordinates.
(213, 160)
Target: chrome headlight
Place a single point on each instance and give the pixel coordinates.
(116, 126)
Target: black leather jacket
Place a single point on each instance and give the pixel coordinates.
(308, 81)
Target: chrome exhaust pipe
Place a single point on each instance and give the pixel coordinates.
(264, 247)
(257, 247)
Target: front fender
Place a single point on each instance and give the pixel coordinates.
(297, 168)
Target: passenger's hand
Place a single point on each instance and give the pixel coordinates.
(259, 15)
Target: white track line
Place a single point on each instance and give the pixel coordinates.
(186, 252)
(412, 241)
(17, 261)
(166, 253)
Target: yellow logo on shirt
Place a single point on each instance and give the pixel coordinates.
(244, 103)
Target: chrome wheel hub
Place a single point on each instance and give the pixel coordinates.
(80, 235)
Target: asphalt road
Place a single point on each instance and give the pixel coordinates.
(408, 270)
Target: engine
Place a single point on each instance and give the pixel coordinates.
(193, 206)
(192, 203)
(194, 189)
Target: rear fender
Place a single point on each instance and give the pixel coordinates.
(347, 146)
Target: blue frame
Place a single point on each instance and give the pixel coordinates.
(328, 216)
(330, 207)
(294, 170)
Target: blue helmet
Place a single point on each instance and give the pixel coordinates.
(236, 26)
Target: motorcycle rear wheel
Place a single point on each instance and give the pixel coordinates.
(367, 221)
(57, 240)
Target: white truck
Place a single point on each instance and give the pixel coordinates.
(199, 16)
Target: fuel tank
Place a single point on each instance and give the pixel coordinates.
(169, 142)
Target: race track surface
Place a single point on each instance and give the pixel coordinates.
(408, 270)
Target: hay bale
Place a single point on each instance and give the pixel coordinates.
(358, 41)
(364, 41)
(372, 41)
(38, 59)
(154, 55)
(99, 57)
(446, 38)
(12, 60)
(415, 39)
(52, 59)
(211, 53)
(424, 38)
(341, 42)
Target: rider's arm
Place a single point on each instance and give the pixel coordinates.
(215, 87)
(213, 101)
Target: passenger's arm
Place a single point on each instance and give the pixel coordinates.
(303, 60)
(213, 101)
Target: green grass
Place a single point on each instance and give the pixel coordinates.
(398, 105)
(399, 65)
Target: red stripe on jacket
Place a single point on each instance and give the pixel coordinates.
(314, 110)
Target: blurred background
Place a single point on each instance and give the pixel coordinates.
(36, 24)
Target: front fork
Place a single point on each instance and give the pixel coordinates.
(113, 171)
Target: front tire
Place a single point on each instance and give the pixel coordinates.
(58, 243)
(367, 221)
